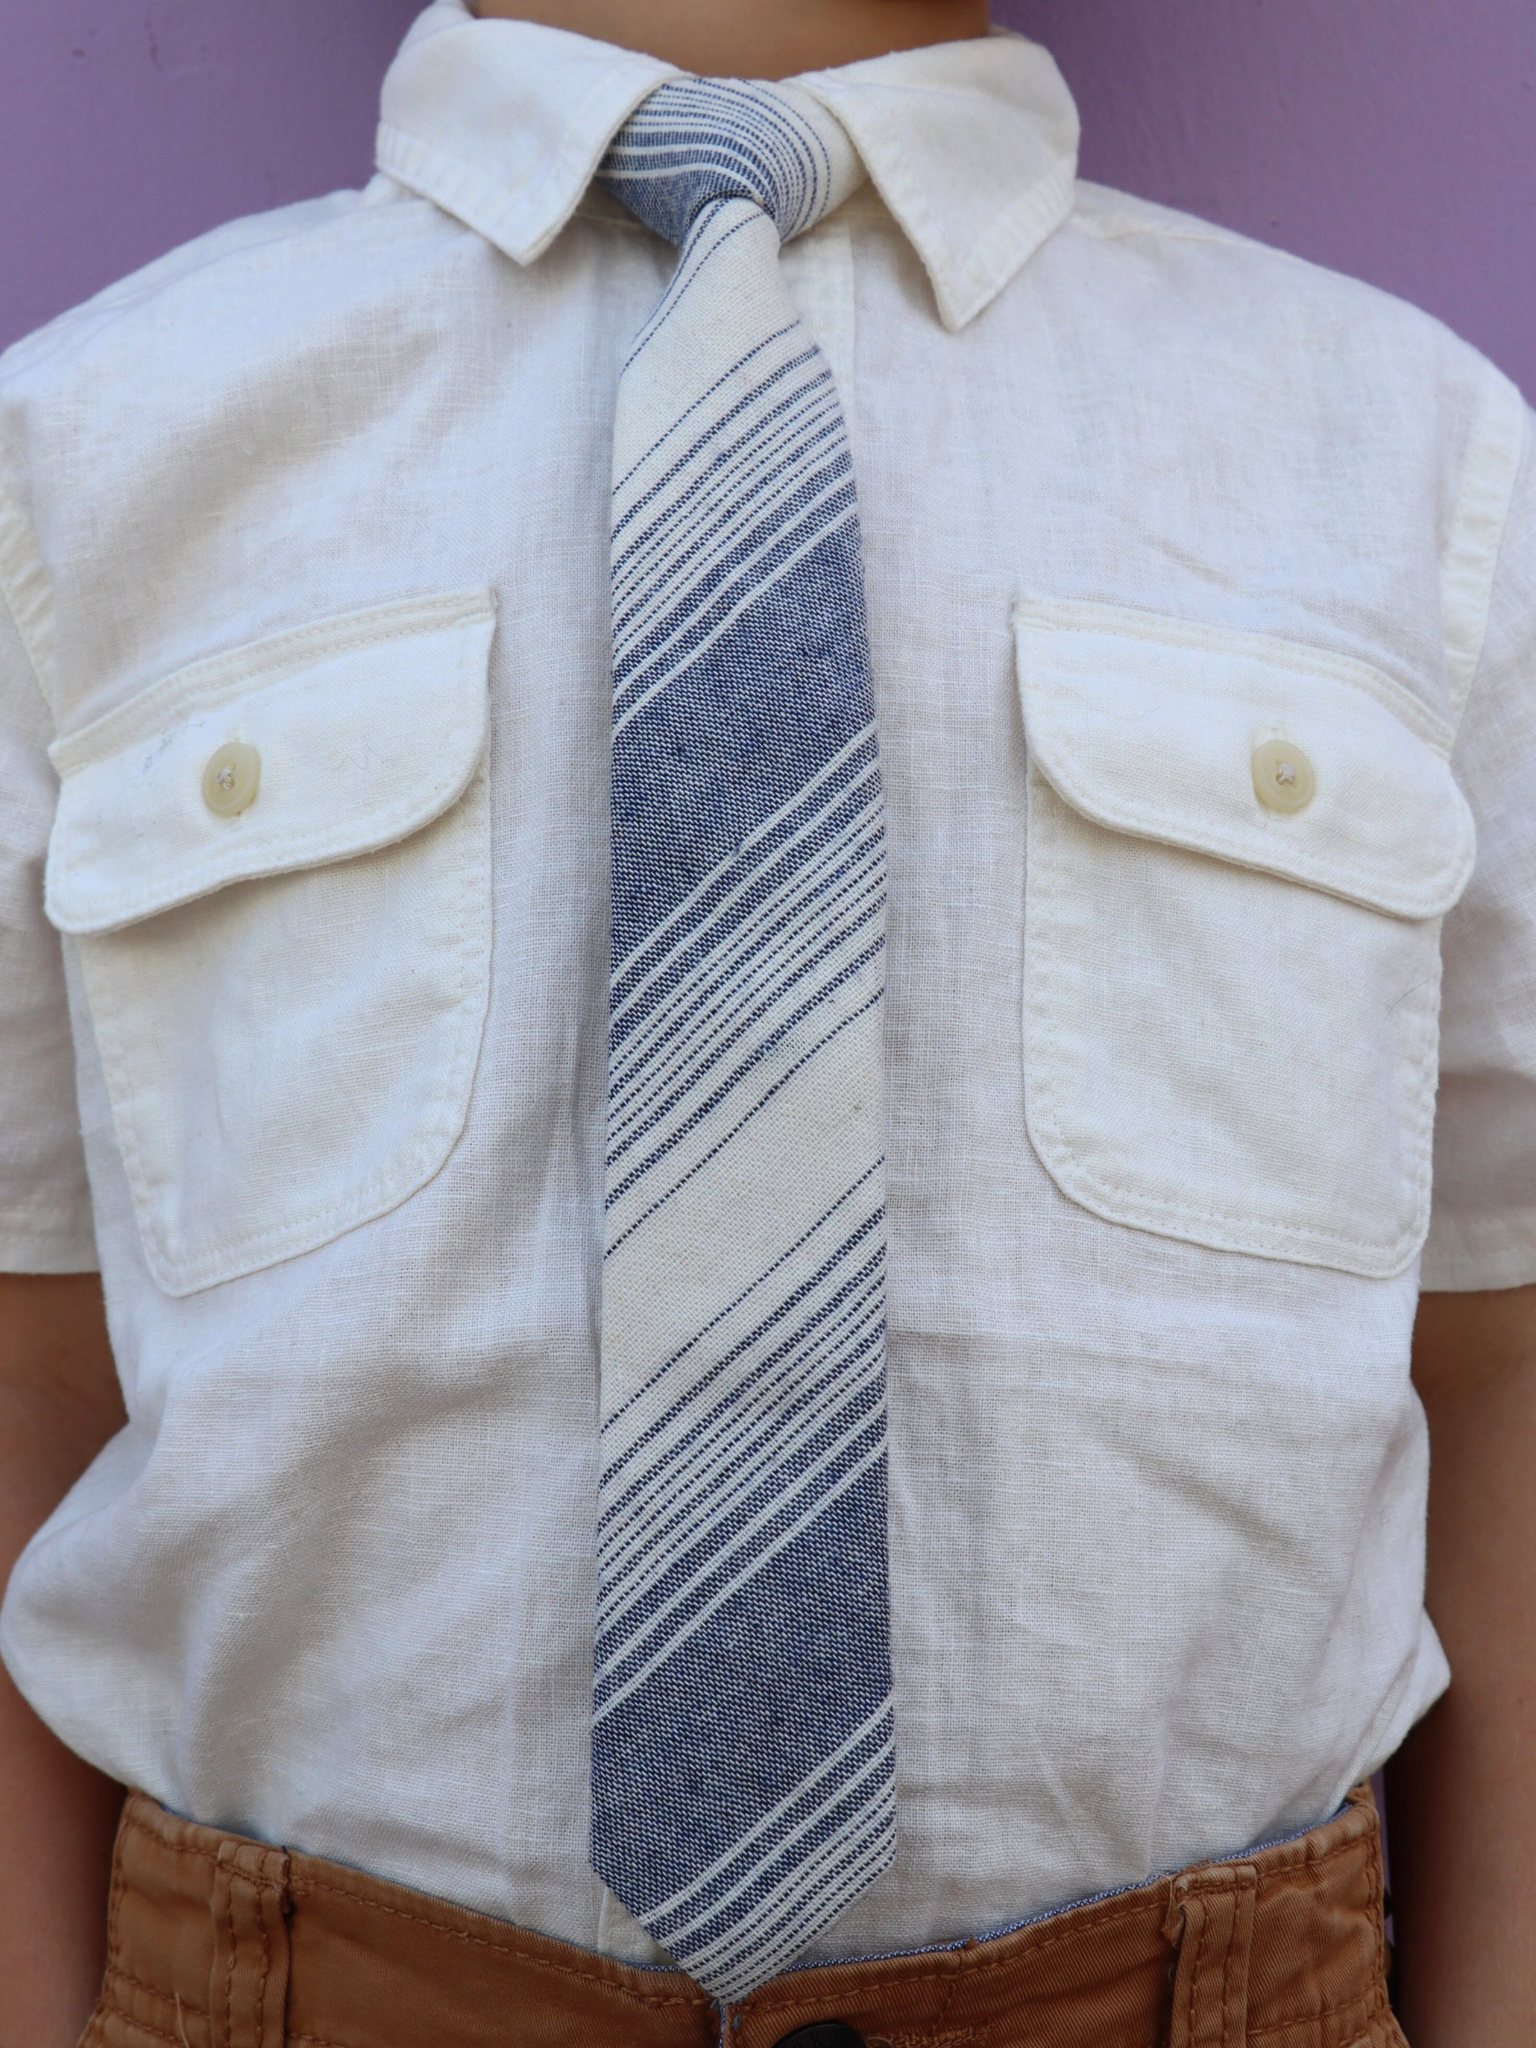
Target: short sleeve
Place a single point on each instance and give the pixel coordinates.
(1483, 1227)
(45, 1209)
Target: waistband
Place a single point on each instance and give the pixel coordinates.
(215, 1941)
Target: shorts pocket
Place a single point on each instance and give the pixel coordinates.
(1231, 999)
(276, 867)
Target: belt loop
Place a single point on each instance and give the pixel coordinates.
(1210, 1919)
(248, 1989)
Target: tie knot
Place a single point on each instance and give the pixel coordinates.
(696, 141)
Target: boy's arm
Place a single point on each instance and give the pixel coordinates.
(1462, 1792)
(59, 1403)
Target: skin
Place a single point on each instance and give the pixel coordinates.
(1463, 1790)
(755, 38)
(59, 1403)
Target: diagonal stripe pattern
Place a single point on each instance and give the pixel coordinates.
(742, 1749)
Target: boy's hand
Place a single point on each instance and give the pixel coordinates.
(59, 1403)
(1463, 1789)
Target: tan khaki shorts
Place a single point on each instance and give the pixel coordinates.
(217, 1942)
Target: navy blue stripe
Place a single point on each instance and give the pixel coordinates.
(730, 1005)
(799, 1490)
(756, 873)
(777, 694)
(755, 463)
(761, 1104)
(814, 1618)
(730, 1308)
(727, 1388)
(784, 1029)
(760, 555)
(823, 498)
(804, 1483)
(735, 1379)
(686, 148)
(768, 1873)
(744, 1444)
(698, 404)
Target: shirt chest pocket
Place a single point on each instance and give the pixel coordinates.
(276, 867)
(1239, 854)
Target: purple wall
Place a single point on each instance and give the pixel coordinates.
(127, 126)
(1393, 138)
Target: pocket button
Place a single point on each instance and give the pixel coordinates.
(1282, 777)
(231, 779)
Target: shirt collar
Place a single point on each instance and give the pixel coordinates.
(972, 145)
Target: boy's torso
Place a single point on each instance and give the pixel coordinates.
(1157, 1472)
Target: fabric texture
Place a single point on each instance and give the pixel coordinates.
(222, 1943)
(1156, 1503)
(743, 1773)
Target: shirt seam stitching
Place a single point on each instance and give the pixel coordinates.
(21, 566)
(1487, 446)
(59, 1224)
(1327, 664)
(1023, 227)
(278, 658)
(1376, 1258)
(183, 1268)
(557, 172)
(1118, 227)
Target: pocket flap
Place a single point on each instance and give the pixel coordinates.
(1148, 726)
(365, 727)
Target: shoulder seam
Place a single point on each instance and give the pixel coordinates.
(1470, 564)
(176, 266)
(1118, 227)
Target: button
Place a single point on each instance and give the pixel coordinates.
(231, 779)
(1282, 776)
(824, 2034)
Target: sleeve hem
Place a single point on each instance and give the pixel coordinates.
(1482, 1256)
(69, 1248)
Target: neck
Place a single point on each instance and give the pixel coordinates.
(754, 38)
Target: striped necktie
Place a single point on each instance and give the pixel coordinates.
(742, 1751)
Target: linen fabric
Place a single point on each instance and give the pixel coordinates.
(743, 1776)
(1160, 1075)
(219, 1942)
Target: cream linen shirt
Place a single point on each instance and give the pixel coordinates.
(1138, 498)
